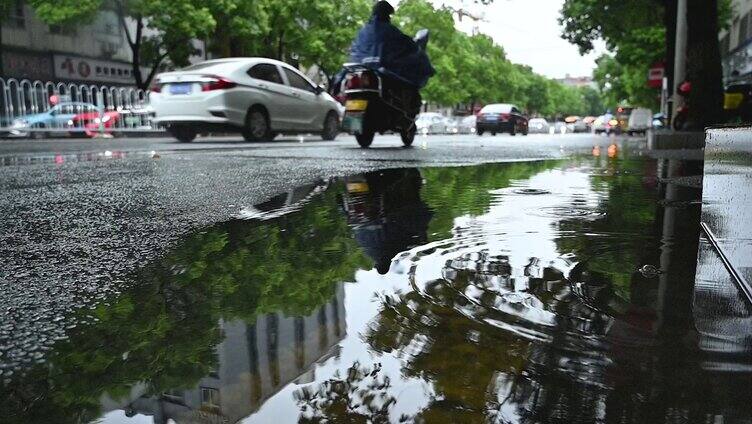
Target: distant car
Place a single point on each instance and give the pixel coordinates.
(90, 123)
(640, 120)
(452, 125)
(501, 117)
(258, 97)
(54, 120)
(559, 127)
(467, 125)
(577, 126)
(539, 126)
(605, 124)
(431, 123)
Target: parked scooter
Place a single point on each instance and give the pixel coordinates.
(682, 113)
(737, 103)
(376, 102)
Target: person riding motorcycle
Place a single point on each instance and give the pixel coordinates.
(382, 47)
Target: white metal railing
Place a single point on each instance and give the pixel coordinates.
(38, 109)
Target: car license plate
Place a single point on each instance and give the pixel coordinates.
(356, 105)
(184, 88)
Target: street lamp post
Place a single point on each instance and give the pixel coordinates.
(680, 54)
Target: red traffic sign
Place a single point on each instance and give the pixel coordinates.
(655, 75)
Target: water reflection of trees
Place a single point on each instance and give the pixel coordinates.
(162, 333)
(602, 341)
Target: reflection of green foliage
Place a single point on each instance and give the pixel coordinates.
(453, 192)
(162, 333)
(628, 222)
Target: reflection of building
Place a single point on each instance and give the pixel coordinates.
(96, 52)
(736, 43)
(255, 361)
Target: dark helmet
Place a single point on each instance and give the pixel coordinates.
(382, 10)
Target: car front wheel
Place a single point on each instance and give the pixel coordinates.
(331, 127)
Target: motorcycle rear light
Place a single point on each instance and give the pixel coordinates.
(353, 81)
(217, 83)
(361, 80)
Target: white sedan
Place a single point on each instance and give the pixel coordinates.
(258, 97)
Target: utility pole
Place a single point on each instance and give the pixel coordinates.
(680, 54)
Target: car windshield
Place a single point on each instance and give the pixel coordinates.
(497, 109)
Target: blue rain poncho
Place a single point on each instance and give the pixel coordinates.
(382, 47)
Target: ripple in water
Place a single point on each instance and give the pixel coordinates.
(566, 212)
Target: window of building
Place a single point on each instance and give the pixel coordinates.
(298, 81)
(67, 30)
(725, 45)
(743, 29)
(16, 18)
(210, 398)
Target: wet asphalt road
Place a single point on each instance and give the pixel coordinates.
(78, 215)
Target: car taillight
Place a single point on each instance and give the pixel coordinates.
(155, 87)
(504, 116)
(217, 83)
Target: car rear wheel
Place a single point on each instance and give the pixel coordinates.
(256, 126)
(408, 136)
(184, 134)
(331, 127)
(479, 132)
(365, 138)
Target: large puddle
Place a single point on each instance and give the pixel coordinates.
(552, 291)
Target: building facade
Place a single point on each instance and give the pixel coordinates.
(96, 52)
(736, 43)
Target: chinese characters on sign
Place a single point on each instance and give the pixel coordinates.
(85, 69)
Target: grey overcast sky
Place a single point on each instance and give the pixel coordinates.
(529, 32)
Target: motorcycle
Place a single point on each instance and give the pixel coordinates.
(376, 102)
(682, 113)
(737, 103)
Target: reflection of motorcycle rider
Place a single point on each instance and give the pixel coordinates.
(386, 213)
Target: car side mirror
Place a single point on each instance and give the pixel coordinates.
(320, 89)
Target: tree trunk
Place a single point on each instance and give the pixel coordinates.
(704, 65)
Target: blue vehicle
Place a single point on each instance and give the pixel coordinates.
(57, 119)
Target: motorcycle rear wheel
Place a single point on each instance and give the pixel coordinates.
(365, 138)
(408, 136)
